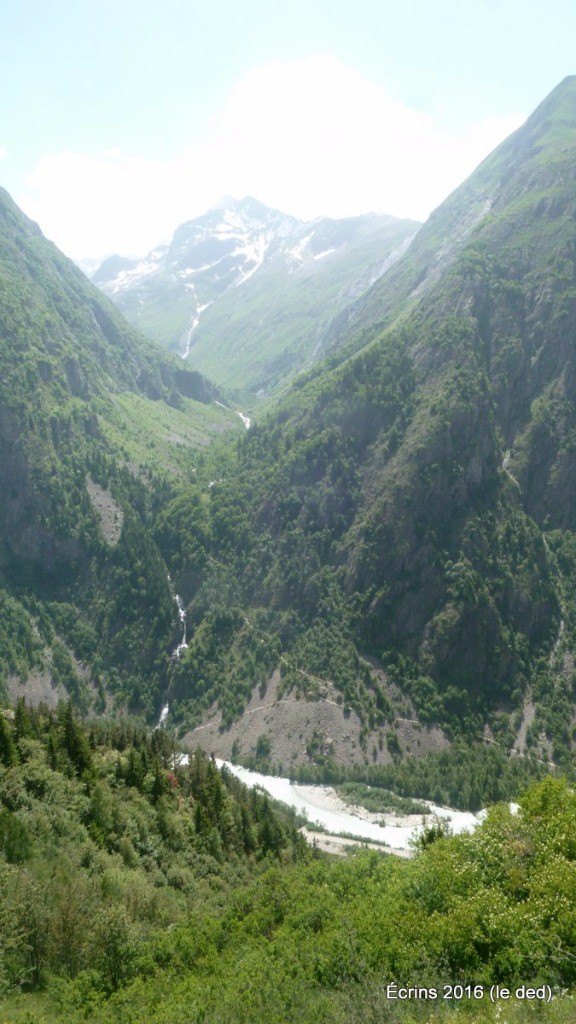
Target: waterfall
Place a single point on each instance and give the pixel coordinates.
(182, 646)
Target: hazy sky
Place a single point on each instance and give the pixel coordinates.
(119, 120)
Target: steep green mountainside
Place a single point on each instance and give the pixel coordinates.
(93, 422)
(500, 255)
(138, 889)
(385, 564)
(383, 532)
(248, 294)
(512, 181)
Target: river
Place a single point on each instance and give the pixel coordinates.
(322, 805)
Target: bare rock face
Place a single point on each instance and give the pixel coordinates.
(109, 512)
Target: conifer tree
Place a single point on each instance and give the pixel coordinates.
(75, 743)
(8, 754)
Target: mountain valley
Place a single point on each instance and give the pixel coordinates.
(398, 529)
(374, 586)
(389, 551)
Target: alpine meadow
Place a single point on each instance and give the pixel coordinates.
(318, 520)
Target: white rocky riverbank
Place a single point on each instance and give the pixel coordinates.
(323, 806)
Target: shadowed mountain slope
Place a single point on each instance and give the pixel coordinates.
(78, 387)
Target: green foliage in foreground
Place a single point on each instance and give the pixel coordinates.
(104, 843)
(135, 891)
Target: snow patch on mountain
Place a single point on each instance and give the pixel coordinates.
(297, 253)
(254, 266)
(321, 255)
(226, 247)
(254, 252)
(129, 278)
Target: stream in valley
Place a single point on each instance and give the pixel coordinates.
(322, 805)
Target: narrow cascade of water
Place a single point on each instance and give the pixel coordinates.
(182, 646)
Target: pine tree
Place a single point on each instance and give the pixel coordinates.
(8, 753)
(75, 743)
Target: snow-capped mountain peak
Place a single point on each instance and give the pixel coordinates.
(245, 271)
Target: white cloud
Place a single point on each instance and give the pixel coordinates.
(94, 204)
(310, 137)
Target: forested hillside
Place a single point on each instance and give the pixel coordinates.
(379, 585)
(397, 537)
(391, 547)
(97, 427)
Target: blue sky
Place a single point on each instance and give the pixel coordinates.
(121, 120)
